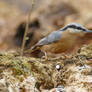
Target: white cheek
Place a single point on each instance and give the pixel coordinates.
(74, 30)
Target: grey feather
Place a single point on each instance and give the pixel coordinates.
(51, 38)
(76, 24)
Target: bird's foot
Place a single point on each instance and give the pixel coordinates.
(45, 57)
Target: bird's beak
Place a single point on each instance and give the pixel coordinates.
(88, 31)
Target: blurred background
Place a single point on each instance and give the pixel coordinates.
(47, 16)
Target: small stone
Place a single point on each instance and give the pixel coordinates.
(58, 67)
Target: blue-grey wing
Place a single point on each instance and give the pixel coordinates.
(51, 38)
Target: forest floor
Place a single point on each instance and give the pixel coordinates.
(27, 74)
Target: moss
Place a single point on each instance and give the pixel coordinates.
(17, 68)
(44, 71)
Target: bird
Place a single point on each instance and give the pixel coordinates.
(61, 40)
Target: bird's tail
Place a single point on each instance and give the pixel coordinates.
(33, 49)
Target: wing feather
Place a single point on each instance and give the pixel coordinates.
(51, 38)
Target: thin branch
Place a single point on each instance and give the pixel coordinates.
(26, 29)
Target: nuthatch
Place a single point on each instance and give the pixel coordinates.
(61, 40)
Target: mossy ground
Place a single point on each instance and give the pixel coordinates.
(45, 72)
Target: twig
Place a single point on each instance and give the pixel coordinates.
(26, 29)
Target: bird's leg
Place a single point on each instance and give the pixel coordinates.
(45, 56)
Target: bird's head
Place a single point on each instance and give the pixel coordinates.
(75, 28)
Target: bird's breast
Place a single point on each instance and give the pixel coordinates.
(68, 43)
(63, 45)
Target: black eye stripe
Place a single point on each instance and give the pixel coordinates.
(81, 28)
(73, 26)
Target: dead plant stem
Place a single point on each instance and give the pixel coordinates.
(26, 29)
